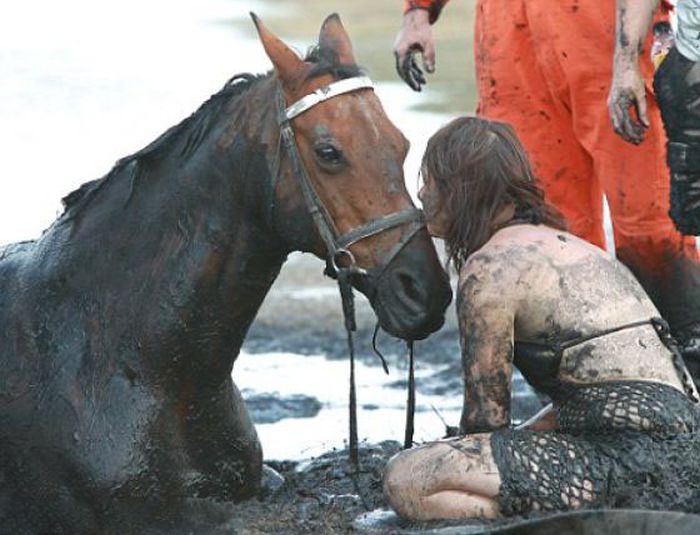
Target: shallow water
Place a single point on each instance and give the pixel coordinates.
(381, 409)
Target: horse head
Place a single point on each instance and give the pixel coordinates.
(340, 179)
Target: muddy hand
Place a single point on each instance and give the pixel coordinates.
(409, 71)
(628, 92)
(414, 38)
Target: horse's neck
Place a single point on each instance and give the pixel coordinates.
(182, 255)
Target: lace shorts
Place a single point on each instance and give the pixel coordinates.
(631, 444)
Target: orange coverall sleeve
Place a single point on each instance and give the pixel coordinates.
(432, 6)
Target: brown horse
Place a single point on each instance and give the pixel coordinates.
(121, 324)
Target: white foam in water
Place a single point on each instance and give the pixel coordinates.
(381, 410)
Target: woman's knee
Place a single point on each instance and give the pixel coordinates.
(399, 486)
(440, 481)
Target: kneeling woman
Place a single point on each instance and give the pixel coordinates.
(626, 424)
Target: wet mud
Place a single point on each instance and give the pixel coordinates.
(323, 495)
(302, 314)
(267, 408)
(327, 495)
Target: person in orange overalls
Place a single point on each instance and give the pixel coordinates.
(545, 67)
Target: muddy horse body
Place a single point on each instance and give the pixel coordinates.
(121, 324)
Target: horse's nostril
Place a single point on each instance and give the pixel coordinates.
(409, 287)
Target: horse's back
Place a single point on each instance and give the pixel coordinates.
(14, 288)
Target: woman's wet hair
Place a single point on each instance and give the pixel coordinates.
(479, 167)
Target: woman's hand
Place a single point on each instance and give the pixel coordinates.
(414, 36)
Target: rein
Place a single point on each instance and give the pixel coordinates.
(337, 245)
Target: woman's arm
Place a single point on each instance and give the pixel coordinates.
(486, 318)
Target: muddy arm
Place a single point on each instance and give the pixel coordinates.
(632, 26)
(486, 327)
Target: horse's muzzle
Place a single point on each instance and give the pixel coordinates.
(412, 294)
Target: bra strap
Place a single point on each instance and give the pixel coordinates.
(576, 341)
(663, 331)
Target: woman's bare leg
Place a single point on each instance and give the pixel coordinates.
(454, 478)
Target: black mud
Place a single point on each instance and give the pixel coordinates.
(320, 497)
(326, 495)
(268, 408)
(302, 314)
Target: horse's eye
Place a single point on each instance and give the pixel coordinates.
(329, 154)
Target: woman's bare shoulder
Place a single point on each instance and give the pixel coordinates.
(525, 258)
(494, 270)
(510, 250)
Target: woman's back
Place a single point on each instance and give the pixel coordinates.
(564, 290)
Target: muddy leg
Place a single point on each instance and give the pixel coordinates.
(224, 445)
(455, 478)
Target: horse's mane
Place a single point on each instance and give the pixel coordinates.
(195, 128)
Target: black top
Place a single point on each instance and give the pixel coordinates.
(539, 362)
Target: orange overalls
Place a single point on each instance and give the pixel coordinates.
(545, 67)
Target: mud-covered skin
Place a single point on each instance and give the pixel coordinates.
(533, 283)
(120, 325)
(415, 477)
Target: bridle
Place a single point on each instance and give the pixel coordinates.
(338, 245)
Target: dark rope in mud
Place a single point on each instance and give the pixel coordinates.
(376, 349)
(411, 403)
(347, 298)
(354, 453)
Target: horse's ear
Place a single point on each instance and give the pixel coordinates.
(334, 37)
(287, 63)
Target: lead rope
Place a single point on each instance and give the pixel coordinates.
(411, 402)
(348, 300)
(376, 349)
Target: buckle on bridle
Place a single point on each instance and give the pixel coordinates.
(352, 268)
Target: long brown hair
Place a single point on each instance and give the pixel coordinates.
(480, 167)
